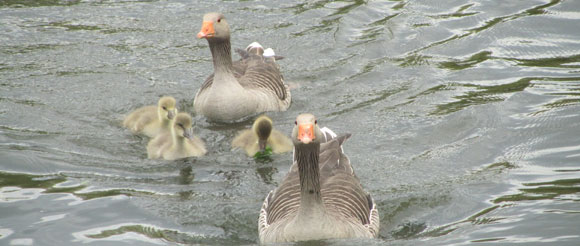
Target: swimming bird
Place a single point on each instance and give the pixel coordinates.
(178, 143)
(321, 197)
(262, 134)
(238, 89)
(152, 120)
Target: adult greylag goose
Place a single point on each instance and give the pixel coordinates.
(178, 143)
(152, 120)
(238, 89)
(321, 197)
(261, 135)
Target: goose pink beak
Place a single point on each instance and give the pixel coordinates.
(306, 133)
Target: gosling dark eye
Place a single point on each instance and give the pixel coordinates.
(315, 122)
(219, 20)
(164, 108)
(295, 122)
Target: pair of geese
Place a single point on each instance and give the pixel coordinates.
(320, 197)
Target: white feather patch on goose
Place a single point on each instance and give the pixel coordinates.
(269, 52)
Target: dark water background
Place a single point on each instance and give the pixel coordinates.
(464, 115)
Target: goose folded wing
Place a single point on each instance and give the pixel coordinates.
(340, 187)
(264, 75)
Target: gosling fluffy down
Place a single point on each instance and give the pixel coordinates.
(152, 120)
(261, 135)
(178, 143)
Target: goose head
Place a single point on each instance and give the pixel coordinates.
(262, 127)
(214, 27)
(182, 126)
(166, 108)
(306, 131)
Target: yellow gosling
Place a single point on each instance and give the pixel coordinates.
(152, 120)
(261, 135)
(178, 143)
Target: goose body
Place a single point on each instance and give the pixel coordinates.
(321, 197)
(261, 135)
(178, 143)
(238, 89)
(152, 120)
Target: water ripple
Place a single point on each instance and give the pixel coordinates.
(488, 24)
(23, 4)
(479, 94)
(459, 13)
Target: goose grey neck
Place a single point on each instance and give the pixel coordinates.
(221, 54)
(306, 155)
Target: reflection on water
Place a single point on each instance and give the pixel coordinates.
(40, 3)
(408, 230)
(17, 187)
(469, 62)
(186, 175)
(481, 95)
(30, 181)
(145, 233)
(266, 173)
(566, 189)
(460, 12)
(464, 118)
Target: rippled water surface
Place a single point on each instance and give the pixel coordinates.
(464, 115)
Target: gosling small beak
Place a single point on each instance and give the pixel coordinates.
(188, 133)
(171, 114)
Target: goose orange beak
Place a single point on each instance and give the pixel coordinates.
(207, 30)
(306, 133)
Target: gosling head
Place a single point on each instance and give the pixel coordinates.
(183, 126)
(214, 27)
(306, 130)
(166, 108)
(262, 127)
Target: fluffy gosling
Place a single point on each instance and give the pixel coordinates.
(152, 120)
(178, 143)
(261, 135)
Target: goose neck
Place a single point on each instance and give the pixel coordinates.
(221, 54)
(306, 156)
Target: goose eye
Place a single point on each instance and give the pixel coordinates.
(164, 108)
(220, 20)
(315, 122)
(295, 122)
